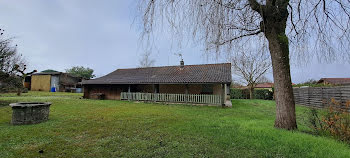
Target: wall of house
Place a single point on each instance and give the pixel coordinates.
(180, 88)
(217, 90)
(41, 83)
(172, 88)
(113, 91)
(143, 88)
(110, 91)
(270, 89)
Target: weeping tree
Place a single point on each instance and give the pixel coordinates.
(301, 27)
(146, 60)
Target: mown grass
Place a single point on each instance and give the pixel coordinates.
(94, 128)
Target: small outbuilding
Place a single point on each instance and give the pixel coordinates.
(204, 84)
(45, 81)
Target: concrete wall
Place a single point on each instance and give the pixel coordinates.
(41, 83)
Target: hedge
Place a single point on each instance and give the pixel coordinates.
(258, 94)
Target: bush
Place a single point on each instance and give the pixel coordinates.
(263, 94)
(9, 83)
(258, 94)
(239, 93)
(335, 123)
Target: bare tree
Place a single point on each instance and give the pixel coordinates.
(280, 25)
(146, 60)
(250, 67)
(12, 64)
(22, 75)
(264, 79)
(9, 56)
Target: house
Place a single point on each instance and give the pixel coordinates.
(45, 81)
(183, 83)
(334, 81)
(266, 85)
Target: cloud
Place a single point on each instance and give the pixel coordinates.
(58, 34)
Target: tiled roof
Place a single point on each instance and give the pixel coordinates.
(337, 81)
(208, 73)
(264, 85)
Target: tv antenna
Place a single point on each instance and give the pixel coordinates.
(180, 55)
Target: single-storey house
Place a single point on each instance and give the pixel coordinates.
(183, 83)
(266, 85)
(45, 81)
(334, 81)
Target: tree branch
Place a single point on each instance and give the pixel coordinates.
(245, 35)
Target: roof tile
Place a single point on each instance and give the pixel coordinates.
(208, 73)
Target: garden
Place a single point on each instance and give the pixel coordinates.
(108, 128)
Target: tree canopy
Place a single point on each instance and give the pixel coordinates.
(303, 27)
(9, 57)
(146, 60)
(80, 71)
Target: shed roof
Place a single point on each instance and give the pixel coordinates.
(56, 73)
(207, 73)
(48, 73)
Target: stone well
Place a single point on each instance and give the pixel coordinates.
(29, 112)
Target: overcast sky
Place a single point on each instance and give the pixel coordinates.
(59, 34)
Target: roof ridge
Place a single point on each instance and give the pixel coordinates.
(336, 78)
(173, 66)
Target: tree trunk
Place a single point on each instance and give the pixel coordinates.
(19, 92)
(251, 92)
(274, 21)
(285, 105)
(20, 87)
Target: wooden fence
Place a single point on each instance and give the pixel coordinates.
(174, 98)
(321, 97)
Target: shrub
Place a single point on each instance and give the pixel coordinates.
(258, 94)
(238, 94)
(335, 123)
(9, 83)
(263, 94)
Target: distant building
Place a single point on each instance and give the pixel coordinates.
(45, 81)
(267, 85)
(334, 81)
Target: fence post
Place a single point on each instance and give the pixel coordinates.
(222, 94)
(129, 95)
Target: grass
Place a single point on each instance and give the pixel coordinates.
(94, 128)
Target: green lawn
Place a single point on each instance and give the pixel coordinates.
(93, 128)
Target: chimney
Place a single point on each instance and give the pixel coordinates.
(182, 63)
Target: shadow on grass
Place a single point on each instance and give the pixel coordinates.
(6, 102)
